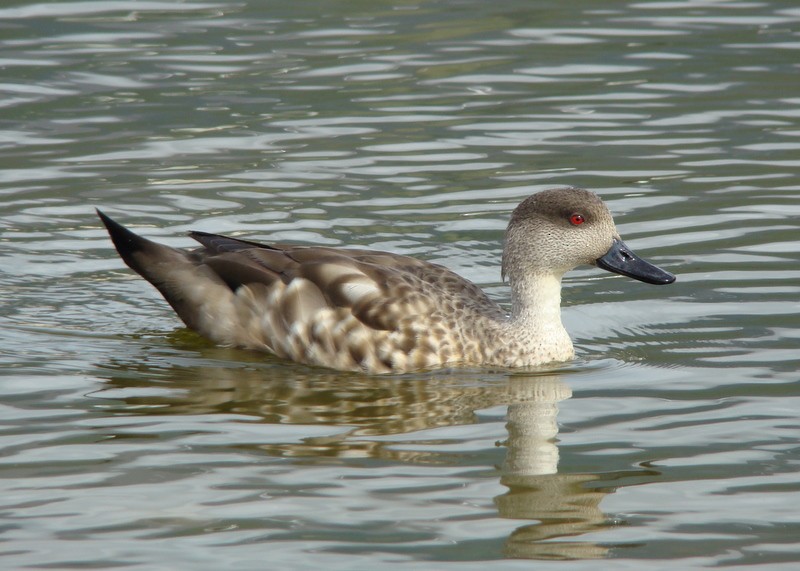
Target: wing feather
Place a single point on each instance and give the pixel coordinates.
(379, 289)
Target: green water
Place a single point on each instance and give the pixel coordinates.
(670, 443)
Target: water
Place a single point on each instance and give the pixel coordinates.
(670, 443)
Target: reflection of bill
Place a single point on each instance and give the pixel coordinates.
(561, 503)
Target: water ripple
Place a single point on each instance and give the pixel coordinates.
(127, 440)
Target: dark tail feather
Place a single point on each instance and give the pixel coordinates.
(147, 258)
(158, 264)
(126, 242)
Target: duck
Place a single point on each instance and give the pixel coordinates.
(379, 312)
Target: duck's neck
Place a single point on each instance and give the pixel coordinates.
(536, 301)
(535, 334)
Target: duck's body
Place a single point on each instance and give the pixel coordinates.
(379, 312)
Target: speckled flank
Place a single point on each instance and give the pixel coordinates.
(379, 312)
(353, 314)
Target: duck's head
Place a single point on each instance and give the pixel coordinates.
(556, 230)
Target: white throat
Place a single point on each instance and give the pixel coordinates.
(536, 301)
(535, 326)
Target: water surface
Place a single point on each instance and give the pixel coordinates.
(671, 442)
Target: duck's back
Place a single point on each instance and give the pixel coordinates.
(347, 309)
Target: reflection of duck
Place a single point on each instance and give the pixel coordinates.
(562, 503)
(357, 410)
(532, 425)
(378, 312)
(215, 381)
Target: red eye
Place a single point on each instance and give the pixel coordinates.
(576, 219)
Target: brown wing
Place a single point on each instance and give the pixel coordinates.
(380, 288)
